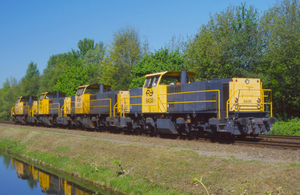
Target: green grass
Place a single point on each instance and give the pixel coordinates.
(125, 183)
(152, 169)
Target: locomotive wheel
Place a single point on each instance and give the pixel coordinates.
(218, 136)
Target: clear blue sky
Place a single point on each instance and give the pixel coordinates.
(34, 30)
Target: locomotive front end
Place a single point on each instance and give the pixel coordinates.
(249, 107)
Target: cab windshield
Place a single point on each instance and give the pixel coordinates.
(80, 91)
(151, 82)
(41, 97)
(50, 96)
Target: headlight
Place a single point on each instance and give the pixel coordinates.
(258, 100)
(236, 100)
(236, 106)
(258, 106)
(247, 81)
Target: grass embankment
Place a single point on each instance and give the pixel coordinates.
(151, 170)
(290, 127)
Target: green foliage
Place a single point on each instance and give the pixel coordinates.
(228, 46)
(8, 96)
(31, 81)
(280, 29)
(72, 78)
(85, 45)
(290, 127)
(96, 55)
(56, 66)
(124, 53)
(161, 60)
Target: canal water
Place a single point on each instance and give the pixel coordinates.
(17, 177)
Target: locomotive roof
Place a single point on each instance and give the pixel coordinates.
(94, 86)
(53, 92)
(33, 97)
(171, 73)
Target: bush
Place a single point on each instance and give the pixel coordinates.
(290, 127)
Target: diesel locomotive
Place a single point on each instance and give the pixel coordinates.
(170, 102)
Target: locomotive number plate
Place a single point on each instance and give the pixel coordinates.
(149, 100)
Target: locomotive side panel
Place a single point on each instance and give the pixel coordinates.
(197, 98)
(136, 100)
(104, 102)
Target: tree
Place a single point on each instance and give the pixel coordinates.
(228, 46)
(85, 45)
(8, 96)
(123, 54)
(72, 78)
(281, 62)
(96, 55)
(161, 60)
(30, 82)
(56, 66)
(176, 43)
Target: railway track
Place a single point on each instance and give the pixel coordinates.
(7, 122)
(270, 141)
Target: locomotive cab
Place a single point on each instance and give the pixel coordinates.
(155, 89)
(22, 109)
(47, 105)
(83, 96)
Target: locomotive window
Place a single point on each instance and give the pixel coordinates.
(151, 82)
(24, 100)
(92, 90)
(50, 96)
(80, 91)
(192, 79)
(170, 80)
(106, 89)
(41, 97)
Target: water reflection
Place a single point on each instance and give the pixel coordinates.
(49, 183)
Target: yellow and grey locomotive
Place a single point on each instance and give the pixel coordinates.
(170, 102)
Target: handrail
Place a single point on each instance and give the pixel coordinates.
(161, 103)
(62, 108)
(27, 110)
(55, 108)
(12, 110)
(68, 110)
(30, 111)
(123, 107)
(135, 97)
(36, 106)
(261, 95)
(115, 109)
(213, 90)
(105, 105)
